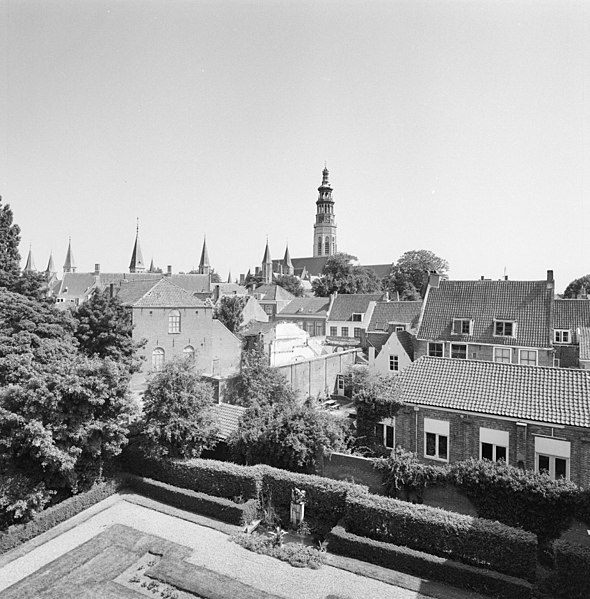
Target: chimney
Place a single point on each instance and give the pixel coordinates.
(97, 269)
(216, 293)
(169, 270)
(482, 278)
(434, 279)
(550, 283)
(505, 277)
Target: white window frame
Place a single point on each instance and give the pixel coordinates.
(469, 322)
(333, 332)
(553, 449)
(174, 322)
(438, 428)
(399, 328)
(384, 425)
(442, 347)
(393, 363)
(504, 321)
(344, 330)
(466, 351)
(503, 349)
(158, 358)
(496, 438)
(520, 351)
(562, 336)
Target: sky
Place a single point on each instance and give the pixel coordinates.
(461, 127)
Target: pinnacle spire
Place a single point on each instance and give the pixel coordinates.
(204, 266)
(137, 264)
(50, 265)
(229, 277)
(69, 264)
(30, 265)
(266, 258)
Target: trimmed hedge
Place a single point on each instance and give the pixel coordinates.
(220, 479)
(428, 566)
(43, 521)
(207, 505)
(572, 570)
(474, 541)
(325, 499)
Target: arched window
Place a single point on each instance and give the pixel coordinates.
(327, 246)
(174, 321)
(319, 246)
(157, 359)
(189, 353)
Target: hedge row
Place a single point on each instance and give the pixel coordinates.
(474, 541)
(43, 521)
(427, 566)
(572, 570)
(192, 501)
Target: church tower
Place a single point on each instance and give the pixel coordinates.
(324, 229)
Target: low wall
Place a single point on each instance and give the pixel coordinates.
(351, 468)
(448, 498)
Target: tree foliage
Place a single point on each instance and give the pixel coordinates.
(177, 418)
(230, 311)
(341, 275)
(9, 254)
(576, 287)
(290, 283)
(409, 275)
(104, 329)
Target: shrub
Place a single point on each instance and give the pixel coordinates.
(207, 505)
(474, 541)
(572, 568)
(427, 566)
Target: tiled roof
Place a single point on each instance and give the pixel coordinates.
(306, 306)
(527, 303)
(381, 270)
(273, 292)
(345, 304)
(584, 340)
(571, 313)
(402, 312)
(407, 342)
(227, 417)
(230, 288)
(552, 395)
(160, 294)
(192, 283)
(77, 284)
(314, 266)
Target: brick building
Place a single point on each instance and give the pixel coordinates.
(532, 417)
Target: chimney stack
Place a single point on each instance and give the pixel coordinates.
(97, 269)
(169, 270)
(434, 279)
(550, 283)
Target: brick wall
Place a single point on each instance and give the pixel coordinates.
(341, 466)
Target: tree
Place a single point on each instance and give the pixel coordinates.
(104, 329)
(290, 283)
(9, 254)
(230, 311)
(409, 275)
(341, 275)
(33, 285)
(576, 287)
(177, 417)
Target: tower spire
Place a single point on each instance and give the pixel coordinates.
(30, 265)
(50, 265)
(288, 268)
(137, 264)
(69, 264)
(267, 264)
(204, 266)
(324, 229)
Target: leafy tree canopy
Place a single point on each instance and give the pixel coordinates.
(577, 286)
(9, 254)
(104, 329)
(409, 275)
(177, 418)
(341, 275)
(230, 311)
(290, 283)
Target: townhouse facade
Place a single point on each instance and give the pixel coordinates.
(349, 318)
(309, 313)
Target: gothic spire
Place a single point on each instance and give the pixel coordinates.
(137, 263)
(69, 264)
(30, 265)
(50, 265)
(267, 265)
(204, 266)
(229, 277)
(288, 268)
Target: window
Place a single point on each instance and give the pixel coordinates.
(319, 329)
(174, 322)
(503, 355)
(504, 328)
(386, 433)
(556, 362)
(333, 331)
(399, 328)
(493, 444)
(436, 439)
(561, 336)
(357, 332)
(528, 357)
(327, 246)
(435, 350)
(319, 246)
(459, 350)
(356, 317)
(393, 362)
(268, 308)
(339, 384)
(189, 353)
(157, 359)
(344, 332)
(462, 326)
(552, 456)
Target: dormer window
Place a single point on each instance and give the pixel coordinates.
(504, 328)
(462, 326)
(357, 317)
(562, 336)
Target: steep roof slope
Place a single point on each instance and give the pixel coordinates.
(402, 312)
